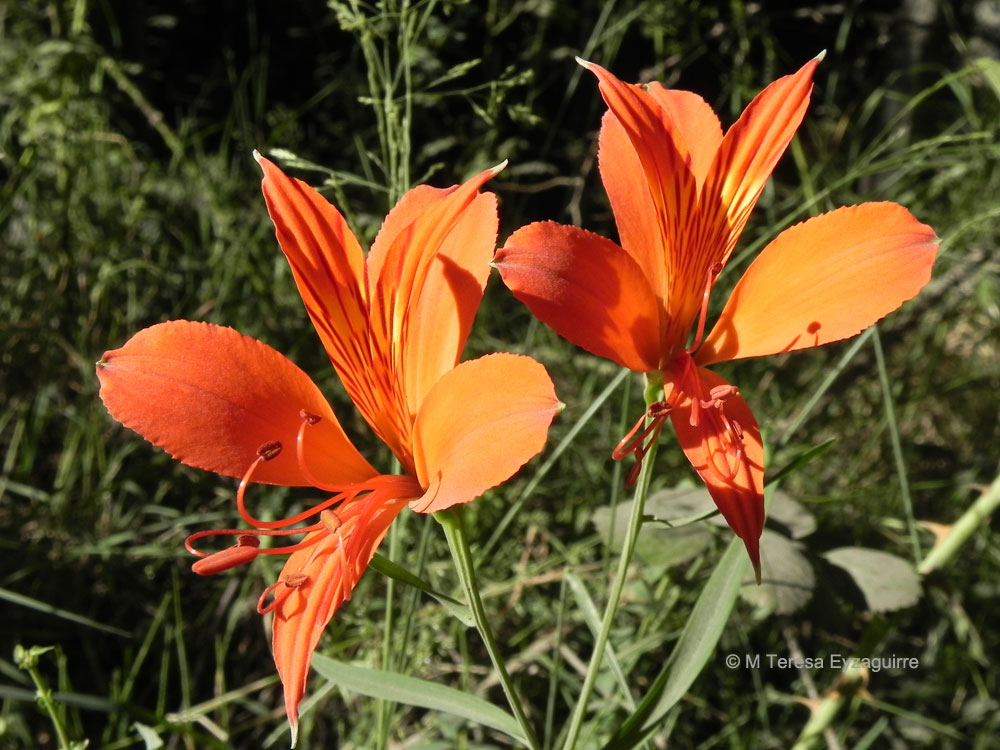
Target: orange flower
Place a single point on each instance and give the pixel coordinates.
(681, 193)
(394, 326)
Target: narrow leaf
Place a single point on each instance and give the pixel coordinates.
(412, 691)
(388, 568)
(694, 647)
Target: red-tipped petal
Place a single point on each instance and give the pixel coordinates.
(736, 484)
(324, 576)
(478, 425)
(825, 279)
(587, 288)
(212, 398)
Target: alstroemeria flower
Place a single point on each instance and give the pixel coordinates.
(394, 326)
(681, 193)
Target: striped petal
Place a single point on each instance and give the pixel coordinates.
(744, 162)
(212, 398)
(328, 266)
(823, 280)
(663, 155)
(478, 425)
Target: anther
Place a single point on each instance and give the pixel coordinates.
(227, 559)
(330, 520)
(269, 451)
(309, 417)
(294, 580)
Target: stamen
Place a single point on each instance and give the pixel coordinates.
(714, 270)
(330, 520)
(638, 444)
(244, 551)
(308, 420)
(269, 451)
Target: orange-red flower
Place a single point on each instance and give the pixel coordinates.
(681, 193)
(394, 326)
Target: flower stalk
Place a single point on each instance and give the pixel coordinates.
(652, 394)
(453, 523)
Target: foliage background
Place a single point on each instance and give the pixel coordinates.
(129, 197)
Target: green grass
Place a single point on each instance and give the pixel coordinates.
(127, 199)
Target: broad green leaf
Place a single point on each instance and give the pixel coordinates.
(412, 691)
(671, 535)
(791, 514)
(694, 648)
(888, 582)
(788, 580)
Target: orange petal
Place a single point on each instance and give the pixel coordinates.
(587, 288)
(211, 398)
(431, 274)
(478, 425)
(632, 204)
(663, 154)
(441, 318)
(736, 485)
(743, 164)
(698, 125)
(328, 266)
(324, 577)
(823, 280)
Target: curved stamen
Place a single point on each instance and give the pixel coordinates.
(308, 420)
(290, 581)
(713, 271)
(638, 444)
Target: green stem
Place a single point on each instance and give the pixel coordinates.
(653, 392)
(974, 518)
(826, 710)
(27, 659)
(454, 529)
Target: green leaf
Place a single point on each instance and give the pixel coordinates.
(388, 568)
(888, 582)
(789, 579)
(671, 536)
(694, 647)
(412, 691)
(791, 514)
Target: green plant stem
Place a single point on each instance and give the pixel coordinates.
(897, 447)
(826, 710)
(653, 392)
(454, 529)
(974, 518)
(27, 659)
